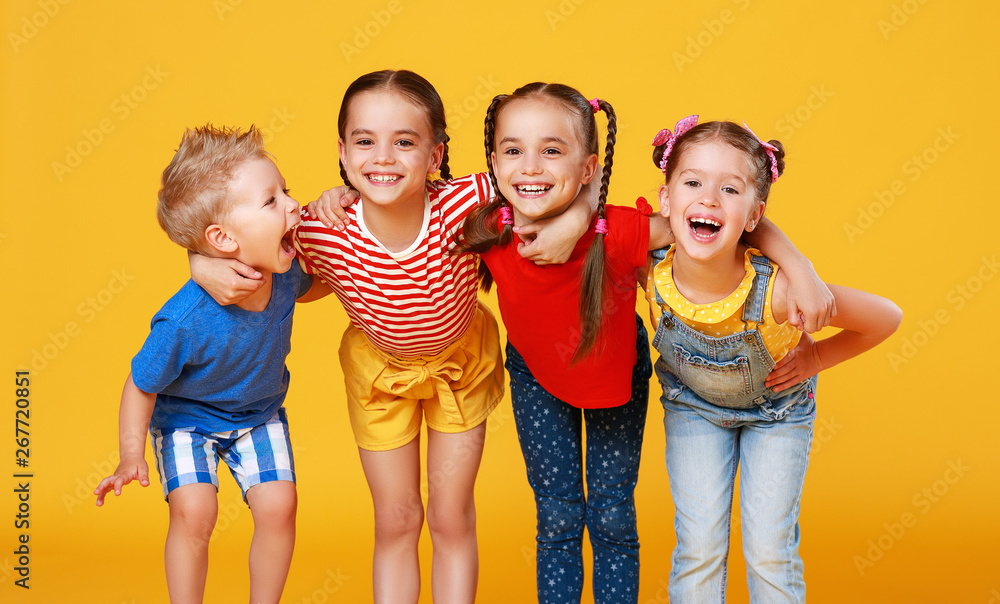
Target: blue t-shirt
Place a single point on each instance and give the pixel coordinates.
(218, 368)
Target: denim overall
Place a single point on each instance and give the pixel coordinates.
(718, 417)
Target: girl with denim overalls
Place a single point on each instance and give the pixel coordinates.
(738, 382)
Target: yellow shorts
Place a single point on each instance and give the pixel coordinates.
(454, 390)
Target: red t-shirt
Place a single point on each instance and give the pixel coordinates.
(540, 306)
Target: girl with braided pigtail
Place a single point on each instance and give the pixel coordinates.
(577, 353)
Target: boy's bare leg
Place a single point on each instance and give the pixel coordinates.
(273, 506)
(394, 480)
(452, 465)
(193, 511)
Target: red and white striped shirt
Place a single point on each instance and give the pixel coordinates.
(408, 303)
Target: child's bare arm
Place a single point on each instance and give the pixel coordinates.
(133, 422)
(329, 208)
(660, 234)
(865, 320)
(228, 281)
(552, 240)
(810, 303)
(318, 289)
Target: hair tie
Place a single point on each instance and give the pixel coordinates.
(769, 149)
(669, 138)
(506, 215)
(601, 227)
(596, 104)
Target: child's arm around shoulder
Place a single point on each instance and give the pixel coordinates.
(811, 304)
(864, 320)
(133, 423)
(552, 240)
(317, 287)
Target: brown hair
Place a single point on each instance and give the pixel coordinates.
(481, 231)
(736, 136)
(195, 186)
(411, 86)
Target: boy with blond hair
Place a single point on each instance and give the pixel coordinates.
(210, 380)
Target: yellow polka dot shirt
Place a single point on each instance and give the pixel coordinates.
(724, 317)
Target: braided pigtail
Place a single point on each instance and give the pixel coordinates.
(445, 170)
(593, 280)
(343, 174)
(480, 230)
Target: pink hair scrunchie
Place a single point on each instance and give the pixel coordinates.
(769, 149)
(667, 137)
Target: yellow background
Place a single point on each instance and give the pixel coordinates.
(887, 109)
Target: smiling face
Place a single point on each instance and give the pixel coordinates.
(539, 160)
(258, 229)
(710, 199)
(388, 149)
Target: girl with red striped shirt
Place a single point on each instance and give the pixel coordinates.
(420, 346)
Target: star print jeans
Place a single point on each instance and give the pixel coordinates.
(550, 433)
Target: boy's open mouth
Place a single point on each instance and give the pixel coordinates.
(286, 241)
(704, 228)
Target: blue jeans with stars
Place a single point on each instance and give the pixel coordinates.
(550, 433)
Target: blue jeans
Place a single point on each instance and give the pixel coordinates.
(705, 446)
(550, 433)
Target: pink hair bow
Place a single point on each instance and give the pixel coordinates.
(769, 149)
(665, 136)
(596, 104)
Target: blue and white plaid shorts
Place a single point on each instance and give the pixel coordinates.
(254, 455)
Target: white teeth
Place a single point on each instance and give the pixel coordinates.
(706, 221)
(382, 178)
(532, 188)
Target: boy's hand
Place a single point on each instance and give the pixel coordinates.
(227, 281)
(801, 363)
(329, 208)
(809, 302)
(127, 471)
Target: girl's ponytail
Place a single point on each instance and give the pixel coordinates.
(480, 230)
(593, 279)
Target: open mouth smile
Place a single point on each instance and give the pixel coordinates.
(704, 229)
